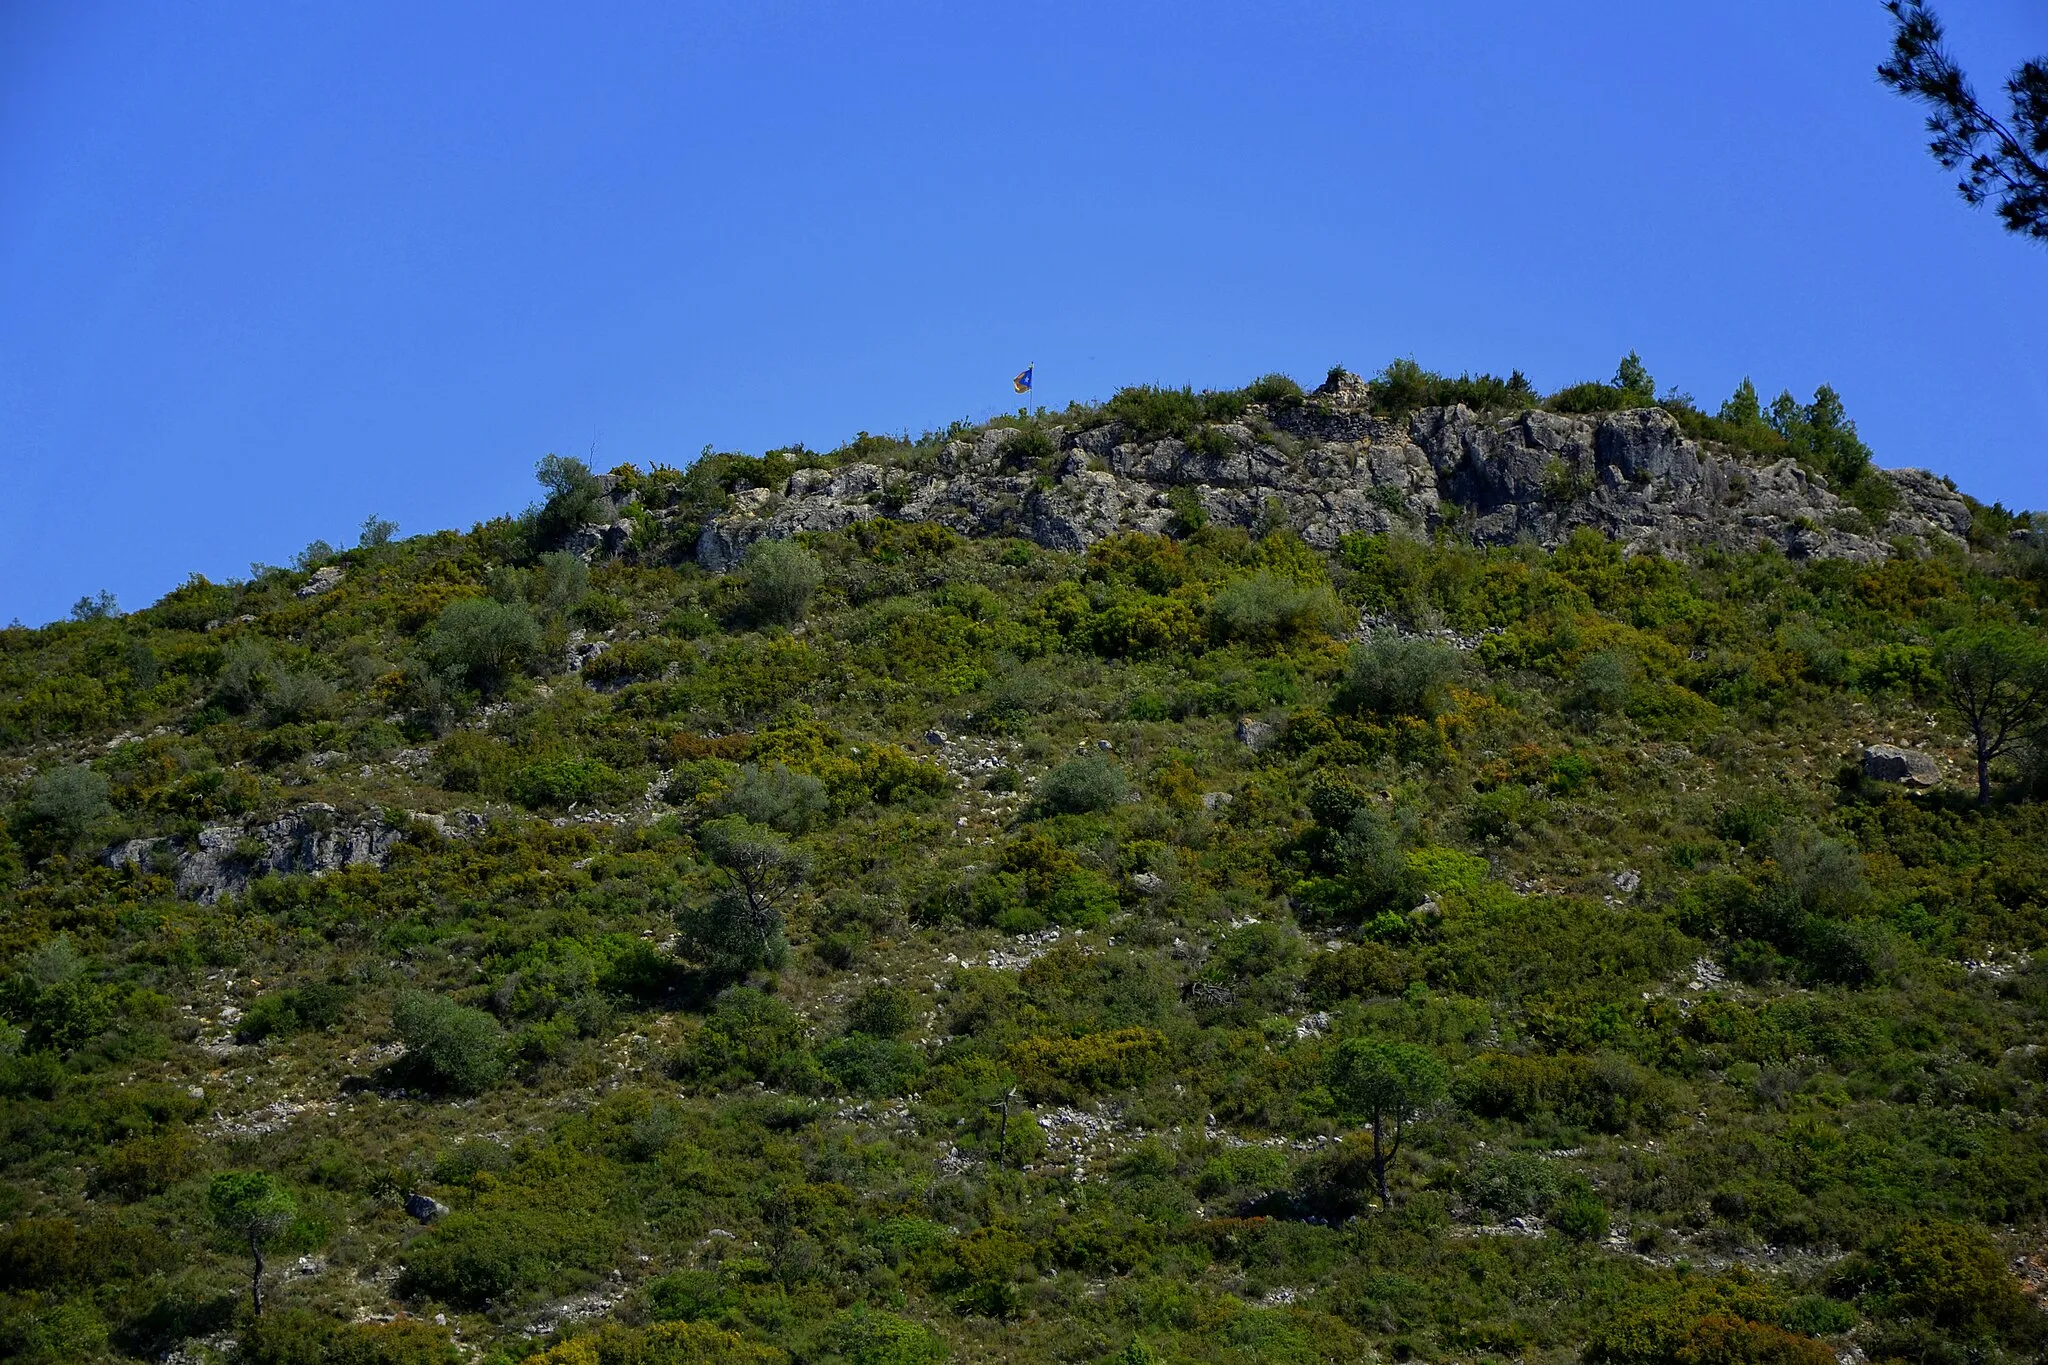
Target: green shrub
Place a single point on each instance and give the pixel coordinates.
(1391, 675)
(1151, 413)
(686, 1296)
(505, 1255)
(866, 1065)
(449, 1046)
(62, 806)
(55, 997)
(560, 583)
(1671, 1336)
(782, 576)
(1086, 785)
(1610, 1094)
(559, 783)
(59, 1253)
(1365, 969)
(869, 1336)
(1950, 1275)
(775, 798)
(298, 1336)
(1592, 396)
(35, 1331)
(883, 1011)
(283, 1013)
(1579, 1216)
(483, 643)
(1189, 516)
(1266, 610)
(1602, 683)
(1066, 1068)
(1404, 387)
(665, 1343)
(574, 498)
(748, 1037)
(148, 1165)
(1513, 1184)
(1274, 390)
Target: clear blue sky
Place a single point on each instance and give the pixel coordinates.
(267, 268)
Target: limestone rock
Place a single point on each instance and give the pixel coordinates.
(1254, 734)
(223, 859)
(1907, 767)
(1329, 467)
(324, 579)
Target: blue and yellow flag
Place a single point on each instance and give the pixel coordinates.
(1022, 383)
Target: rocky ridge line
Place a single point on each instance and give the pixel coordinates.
(1329, 466)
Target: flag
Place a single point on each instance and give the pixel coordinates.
(1022, 383)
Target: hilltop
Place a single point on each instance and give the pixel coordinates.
(1408, 869)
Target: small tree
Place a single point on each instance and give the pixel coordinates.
(483, 642)
(781, 577)
(1387, 1085)
(574, 498)
(255, 1208)
(1996, 678)
(742, 926)
(1632, 377)
(1392, 675)
(449, 1045)
(95, 608)
(63, 805)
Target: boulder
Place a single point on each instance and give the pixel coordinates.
(425, 1207)
(1907, 767)
(1254, 734)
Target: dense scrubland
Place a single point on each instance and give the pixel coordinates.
(909, 947)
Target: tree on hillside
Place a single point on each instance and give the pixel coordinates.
(255, 1208)
(1996, 678)
(2002, 160)
(741, 927)
(1386, 1085)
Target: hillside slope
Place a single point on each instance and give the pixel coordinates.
(990, 897)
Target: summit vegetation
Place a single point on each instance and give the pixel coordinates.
(905, 947)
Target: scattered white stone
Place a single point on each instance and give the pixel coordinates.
(1707, 974)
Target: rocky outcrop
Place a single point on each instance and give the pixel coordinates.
(609, 531)
(326, 578)
(221, 860)
(1330, 467)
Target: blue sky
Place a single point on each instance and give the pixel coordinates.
(267, 268)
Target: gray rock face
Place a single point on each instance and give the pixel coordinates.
(223, 859)
(1330, 468)
(324, 579)
(1907, 767)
